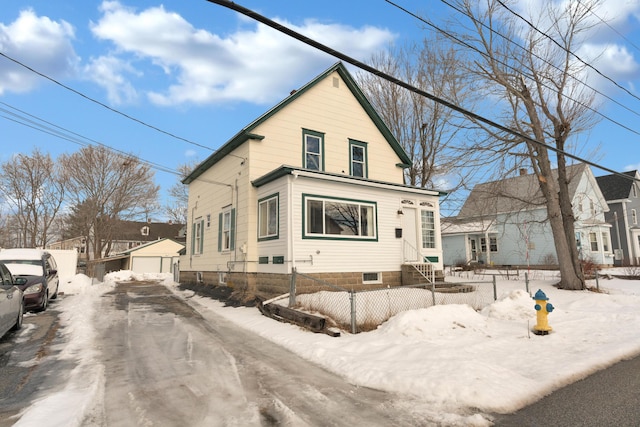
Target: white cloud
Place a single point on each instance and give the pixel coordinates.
(39, 43)
(109, 72)
(256, 64)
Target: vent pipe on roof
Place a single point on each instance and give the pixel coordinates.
(523, 171)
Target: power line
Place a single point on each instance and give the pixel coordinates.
(462, 42)
(613, 29)
(567, 50)
(36, 123)
(102, 104)
(337, 54)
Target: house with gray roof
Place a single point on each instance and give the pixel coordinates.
(505, 222)
(621, 193)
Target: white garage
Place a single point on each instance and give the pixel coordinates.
(154, 257)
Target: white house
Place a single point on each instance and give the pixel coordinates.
(315, 184)
(505, 223)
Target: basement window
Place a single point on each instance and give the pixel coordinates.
(370, 278)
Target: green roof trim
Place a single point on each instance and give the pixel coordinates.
(246, 133)
(290, 170)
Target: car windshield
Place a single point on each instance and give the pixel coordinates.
(21, 267)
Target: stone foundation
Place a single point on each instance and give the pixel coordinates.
(269, 284)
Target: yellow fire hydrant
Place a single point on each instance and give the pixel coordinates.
(543, 308)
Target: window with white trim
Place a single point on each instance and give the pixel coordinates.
(493, 244)
(605, 242)
(197, 242)
(634, 217)
(428, 226)
(226, 230)
(372, 277)
(312, 149)
(268, 217)
(593, 241)
(339, 218)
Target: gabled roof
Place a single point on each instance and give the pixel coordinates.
(132, 230)
(247, 132)
(146, 245)
(512, 194)
(616, 187)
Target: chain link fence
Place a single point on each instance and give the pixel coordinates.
(364, 310)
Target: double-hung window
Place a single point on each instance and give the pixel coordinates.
(268, 218)
(493, 244)
(593, 240)
(327, 217)
(197, 237)
(605, 242)
(313, 149)
(226, 230)
(358, 158)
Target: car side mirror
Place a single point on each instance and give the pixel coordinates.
(52, 272)
(19, 281)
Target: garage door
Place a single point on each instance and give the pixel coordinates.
(146, 264)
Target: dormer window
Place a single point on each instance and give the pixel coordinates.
(634, 190)
(145, 230)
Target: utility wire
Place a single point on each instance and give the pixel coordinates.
(459, 10)
(462, 42)
(337, 54)
(36, 123)
(567, 50)
(103, 104)
(613, 29)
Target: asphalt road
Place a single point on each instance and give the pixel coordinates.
(608, 398)
(166, 364)
(28, 362)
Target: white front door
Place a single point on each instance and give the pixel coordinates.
(410, 233)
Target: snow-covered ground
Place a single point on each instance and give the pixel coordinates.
(450, 358)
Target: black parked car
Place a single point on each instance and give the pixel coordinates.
(39, 269)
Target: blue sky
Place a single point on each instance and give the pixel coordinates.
(201, 72)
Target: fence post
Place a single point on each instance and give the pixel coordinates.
(526, 282)
(352, 297)
(433, 292)
(292, 288)
(495, 289)
(597, 281)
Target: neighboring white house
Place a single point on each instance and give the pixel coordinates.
(505, 223)
(314, 184)
(622, 195)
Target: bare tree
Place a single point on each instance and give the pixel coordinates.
(32, 188)
(106, 187)
(176, 209)
(527, 73)
(425, 129)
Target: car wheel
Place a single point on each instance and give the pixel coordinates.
(18, 323)
(45, 302)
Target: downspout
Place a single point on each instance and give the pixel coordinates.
(290, 231)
